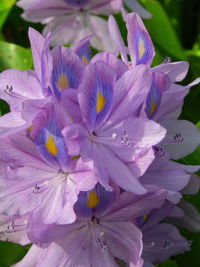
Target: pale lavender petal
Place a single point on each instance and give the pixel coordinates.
(36, 10)
(31, 257)
(104, 7)
(129, 93)
(110, 59)
(167, 174)
(17, 86)
(138, 8)
(12, 122)
(182, 137)
(175, 70)
(131, 206)
(119, 172)
(191, 218)
(102, 39)
(117, 38)
(172, 100)
(193, 186)
(125, 240)
(37, 42)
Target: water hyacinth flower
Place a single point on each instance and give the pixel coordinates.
(103, 231)
(70, 21)
(27, 92)
(161, 240)
(165, 98)
(40, 176)
(111, 133)
(163, 104)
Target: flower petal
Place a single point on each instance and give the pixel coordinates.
(95, 94)
(67, 70)
(117, 38)
(139, 42)
(182, 137)
(175, 70)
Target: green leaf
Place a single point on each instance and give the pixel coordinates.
(168, 263)
(161, 30)
(5, 7)
(11, 253)
(14, 57)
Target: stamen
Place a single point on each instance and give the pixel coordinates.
(158, 151)
(99, 240)
(166, 59)
(167, 245)
(178, 138)
(9, 88)
(125, 141)
(36, 189)
(13, 226)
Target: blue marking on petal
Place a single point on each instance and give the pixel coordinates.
(76, 2)
(94, 202)
(83, 49)
(67, 70)
(143, 47)
(51, 145)
(96, 92)
(153, 101)
(160, 83)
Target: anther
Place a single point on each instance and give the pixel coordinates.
(158, 151)
(178, 138)
(124, 140)
(167, 245)
(36, 189)
(166, 59)
(9, 88)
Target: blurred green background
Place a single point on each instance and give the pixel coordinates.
(175, 31)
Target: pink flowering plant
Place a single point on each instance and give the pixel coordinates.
(93, 150)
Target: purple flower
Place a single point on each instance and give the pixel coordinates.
(70, 21)
(160, 240)
(39, 175)
(103, 231)
(111, 133)
(27, 92)
(165, 98)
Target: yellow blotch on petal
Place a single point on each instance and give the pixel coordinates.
(153, 107)
(146, 217)
(85, 60)
(30, 128)
(93, 200)
(62, 82)
(101, 101)
(141, 48)
(51, 146)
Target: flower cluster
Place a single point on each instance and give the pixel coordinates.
(87, 150)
